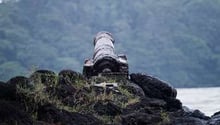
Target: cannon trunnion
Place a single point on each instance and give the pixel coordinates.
(105, 61)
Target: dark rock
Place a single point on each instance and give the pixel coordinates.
(11, 114)
(150, 108)
(7, 91)
(69, 77)
(215, 119)
(45, 77)
(68, 94)
(1, 82)
(187, 121)
(19, 80)
(101, 90)
(156, 104)
(198, 114)
(138, 118)
(50, 114)
(153, 87)
(217, 113)
(194, 113)
(187, 116)
(81, 97)
(187, 109)
(173, 104)
(134, 89)
(41, 123)
(146, 105)
(64, 90)
(69, 101)
(107, 108)
(67, 89)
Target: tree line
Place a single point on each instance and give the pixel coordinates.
(176, 41)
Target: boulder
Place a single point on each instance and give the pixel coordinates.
(173, 104)
(146, 105)
(19, 80)
(107, 107)
(187, 121)
(138, 118)
(52, 115)
(215, 119)
(187, 116)
(194, 113)
(7, 91)
(67, 99)
(153, 87)
(12, 114)
(135, 89)
(45, 77)
(69, 77)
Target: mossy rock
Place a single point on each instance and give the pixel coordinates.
(45, 77)
(69, 77)
(107, 107)
(19, 80)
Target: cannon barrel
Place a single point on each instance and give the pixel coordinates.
(104, 54)
(105, 60)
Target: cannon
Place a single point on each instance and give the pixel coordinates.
(105, 61)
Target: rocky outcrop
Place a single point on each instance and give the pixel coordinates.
(69, 99)
(50, 114)
(155, 88)
(215, 119)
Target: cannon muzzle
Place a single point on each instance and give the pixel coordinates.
(105, 60)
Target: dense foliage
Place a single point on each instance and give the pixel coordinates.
(177, 41)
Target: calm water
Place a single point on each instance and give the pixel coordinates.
(206, 100)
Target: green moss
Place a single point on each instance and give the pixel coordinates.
(165, 118)
(131, 98)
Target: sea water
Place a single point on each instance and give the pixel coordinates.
(207, 100)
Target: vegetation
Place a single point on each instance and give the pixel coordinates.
(177, 41)
(165, 118)
(38, 94)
